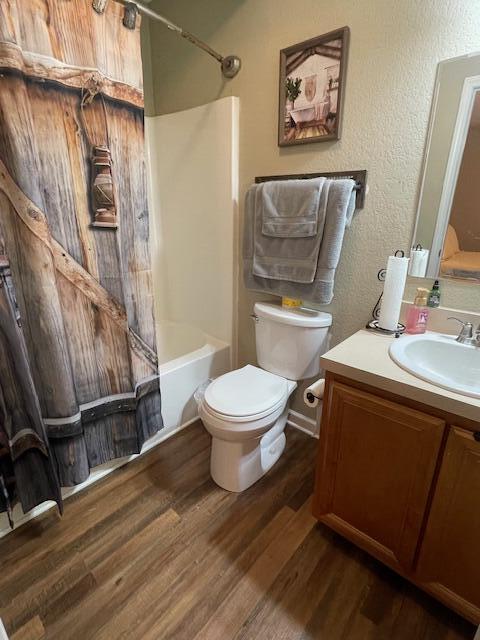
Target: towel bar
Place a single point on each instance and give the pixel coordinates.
(360, 178)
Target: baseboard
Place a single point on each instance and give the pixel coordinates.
(97, 474)
(302, 423)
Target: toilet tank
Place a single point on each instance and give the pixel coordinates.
(290, 341)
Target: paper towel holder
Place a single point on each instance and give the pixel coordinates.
(373, 324)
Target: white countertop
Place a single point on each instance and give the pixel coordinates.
(364, 357)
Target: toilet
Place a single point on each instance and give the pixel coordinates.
(246, 410)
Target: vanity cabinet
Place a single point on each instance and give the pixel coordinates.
(404, 485)
(376, 469)
(449, 559)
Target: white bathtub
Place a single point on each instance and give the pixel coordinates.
(187, 358)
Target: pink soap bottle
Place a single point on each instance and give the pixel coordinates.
(417, 314)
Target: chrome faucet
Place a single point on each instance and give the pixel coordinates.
(466, 335)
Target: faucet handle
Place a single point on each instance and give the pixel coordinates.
(466, 332)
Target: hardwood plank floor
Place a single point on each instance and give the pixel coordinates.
(158, 551)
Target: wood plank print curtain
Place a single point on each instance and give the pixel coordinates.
(74, 235)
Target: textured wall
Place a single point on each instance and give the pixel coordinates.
(394, 51)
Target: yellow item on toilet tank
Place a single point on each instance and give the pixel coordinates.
(291, 302)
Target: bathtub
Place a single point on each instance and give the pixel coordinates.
(187, 357)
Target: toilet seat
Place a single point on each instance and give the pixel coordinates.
(246, 395)
(225, 428)
(239, 420)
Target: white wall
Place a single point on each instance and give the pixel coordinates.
(194, 200)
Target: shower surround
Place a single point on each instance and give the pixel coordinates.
(194, 217)
(71, 84)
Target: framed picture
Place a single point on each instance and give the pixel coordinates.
(312, 84)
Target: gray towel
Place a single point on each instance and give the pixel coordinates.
(287, 258)
(289, 208)
(339, 212)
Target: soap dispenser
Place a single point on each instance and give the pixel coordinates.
(417, 314)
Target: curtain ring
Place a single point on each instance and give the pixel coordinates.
(130, 15)
(99, 5)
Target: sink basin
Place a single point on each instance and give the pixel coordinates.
(439, 359)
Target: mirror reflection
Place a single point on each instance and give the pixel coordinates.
(461, 246)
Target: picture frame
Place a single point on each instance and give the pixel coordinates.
(312, 89)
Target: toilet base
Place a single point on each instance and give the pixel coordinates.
(235, 466)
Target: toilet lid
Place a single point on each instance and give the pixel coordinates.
(246, 392)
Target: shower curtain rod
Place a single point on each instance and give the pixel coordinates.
(230, 64)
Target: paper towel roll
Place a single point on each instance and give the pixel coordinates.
(393, 292)
(314, 393)
(418, 262)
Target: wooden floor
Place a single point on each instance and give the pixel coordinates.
(157, 551)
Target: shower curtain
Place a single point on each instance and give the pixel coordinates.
(76, 302)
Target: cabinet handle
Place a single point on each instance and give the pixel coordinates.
(476, 436)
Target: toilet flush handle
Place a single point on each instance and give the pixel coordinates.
(254, 317)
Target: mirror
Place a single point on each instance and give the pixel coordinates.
(447, 235)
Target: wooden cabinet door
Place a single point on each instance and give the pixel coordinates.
(449, 560)
(375, 470)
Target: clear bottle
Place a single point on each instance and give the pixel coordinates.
(417, 314)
